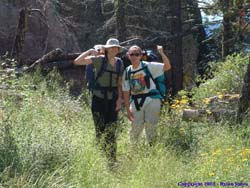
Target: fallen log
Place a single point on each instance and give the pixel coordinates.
(202, 114)
(54, 56)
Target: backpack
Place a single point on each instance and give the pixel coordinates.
(158, 81)
(148, 55)
(91, 76)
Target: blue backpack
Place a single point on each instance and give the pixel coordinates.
(148, 55)
(91, 76)
(158, 81)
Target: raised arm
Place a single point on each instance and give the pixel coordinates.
(85, 57)
(166, 62)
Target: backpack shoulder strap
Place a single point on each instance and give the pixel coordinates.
(118, 66)
(102, 69)
(146, 70)
(128, 72)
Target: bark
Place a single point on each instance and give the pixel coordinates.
(244, 102)
(176, 55)
(227, 42)
(120, 19)
(55, 58)
(20, 36)
(202, 59)
(22, 28)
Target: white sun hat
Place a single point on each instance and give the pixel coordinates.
(112, 42)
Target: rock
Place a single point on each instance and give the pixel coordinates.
(75, 26)
(42, 35)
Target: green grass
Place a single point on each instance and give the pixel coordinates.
(47, 140)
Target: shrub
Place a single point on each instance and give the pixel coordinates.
(227, 78)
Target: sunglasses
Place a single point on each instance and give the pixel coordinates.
(135, 54)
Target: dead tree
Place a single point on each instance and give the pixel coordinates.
(56, 57)
(20, 36)
(120, 19)
(18, 44)
(244, 102)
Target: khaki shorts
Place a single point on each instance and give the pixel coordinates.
(147, 117)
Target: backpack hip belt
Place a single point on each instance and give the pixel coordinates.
(143, 97)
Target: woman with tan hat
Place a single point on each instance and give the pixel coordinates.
(107, 94)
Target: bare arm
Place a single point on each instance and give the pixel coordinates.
(166, 62)
(120, 87)
(119, 100)
(126, 96)
(85, 57)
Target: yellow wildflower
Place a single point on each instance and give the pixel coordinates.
(229, 149)
(208, 112)
(220, 96)
(180, 110)
(244, 160)
(206, 100)
(211, 174)
(230, 159)
(173, 106)
(217, 152)
(225, 170)
(184, 101)
(181, 129)
(245, 152)
(203, 154)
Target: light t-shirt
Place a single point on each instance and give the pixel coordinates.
(137, 83)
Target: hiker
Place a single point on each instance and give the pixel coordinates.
(106, 94)
(100, 49)
(147, 55)
(144, 110)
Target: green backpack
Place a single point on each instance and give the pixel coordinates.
(159, 92)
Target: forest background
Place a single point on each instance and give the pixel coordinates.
(46, 130)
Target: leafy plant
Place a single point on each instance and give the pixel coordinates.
(228, 77)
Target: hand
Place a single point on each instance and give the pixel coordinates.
(92, 52)
(130, 115)
(160, 49)
(118, 104)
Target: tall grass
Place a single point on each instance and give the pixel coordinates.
(47, 139)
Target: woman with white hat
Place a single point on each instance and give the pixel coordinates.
(107, 96)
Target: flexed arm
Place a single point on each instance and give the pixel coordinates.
(166, 62)
(85, 57)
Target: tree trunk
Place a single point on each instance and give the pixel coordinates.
(176, 55)
(98, 9)
(227, 29)
(17, 48)
(244, 102)
(202, 59)
(120, 19)
(55, 58)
